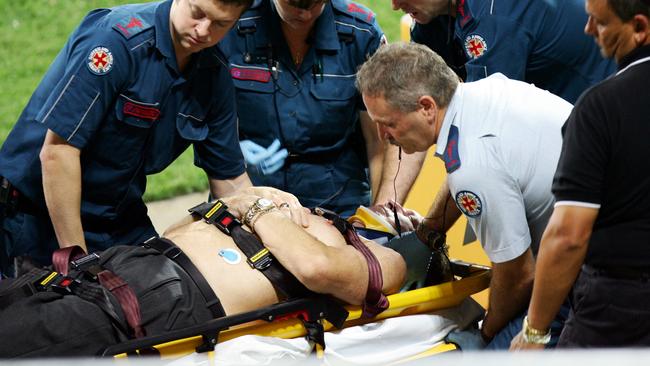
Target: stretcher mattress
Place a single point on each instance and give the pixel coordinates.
(382, 342)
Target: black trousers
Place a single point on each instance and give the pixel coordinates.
(607, 312)
(49, 324)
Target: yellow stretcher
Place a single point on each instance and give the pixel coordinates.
(293, 318)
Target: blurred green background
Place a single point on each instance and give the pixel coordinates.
(33, 31)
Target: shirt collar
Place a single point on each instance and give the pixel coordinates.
(636, 56)
(204, 59)
(163, 34)
(450, 117)
(325, 27)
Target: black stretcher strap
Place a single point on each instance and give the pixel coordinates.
(258, 257)
(171, 251)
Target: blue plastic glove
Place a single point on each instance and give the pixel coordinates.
(416, 255)
(263, 160)
(466, 340)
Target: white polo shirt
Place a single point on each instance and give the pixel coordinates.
(501, 140)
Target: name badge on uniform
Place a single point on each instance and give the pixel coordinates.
(250, 74)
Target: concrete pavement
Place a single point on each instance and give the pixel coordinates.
(166, 212)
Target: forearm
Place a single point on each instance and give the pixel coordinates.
(510, 288)
(61, 170)
(375, 148)
(557, 267)
(441, 216)
(227, 187)
(320, 268)
(398, 187)
(506, 301)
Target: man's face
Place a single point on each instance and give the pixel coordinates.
(412, 131)
(198, 24)
(422, 11)
(613, 36)
(298, 18)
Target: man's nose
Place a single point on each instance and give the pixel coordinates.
(589, 26)
(203, 28)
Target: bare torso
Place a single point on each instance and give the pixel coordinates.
(239, 287)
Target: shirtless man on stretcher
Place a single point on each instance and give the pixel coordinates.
(51, 315)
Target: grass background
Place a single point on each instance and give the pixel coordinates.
(33, 31)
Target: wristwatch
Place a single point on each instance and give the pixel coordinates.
(534, 336)
(260, 207)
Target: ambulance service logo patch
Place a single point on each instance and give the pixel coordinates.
(475, 46)
(469, 203)
(100, 60)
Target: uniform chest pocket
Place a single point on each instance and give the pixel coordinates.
(135, 113)
(191, 125)
(122, 140)
(334, 111)
(254, 101)
(333, 88)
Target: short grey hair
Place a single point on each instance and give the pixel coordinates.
(401, 73)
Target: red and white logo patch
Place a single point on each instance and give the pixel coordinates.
(469, 203)
(475, 46)
(100, 60)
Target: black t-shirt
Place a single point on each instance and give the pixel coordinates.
(605, 161)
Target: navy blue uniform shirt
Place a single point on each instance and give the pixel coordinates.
(115, 92)
(537, 41)
(313, 109)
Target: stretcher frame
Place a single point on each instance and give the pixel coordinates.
(292, 319)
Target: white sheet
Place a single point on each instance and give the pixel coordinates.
(381, 342)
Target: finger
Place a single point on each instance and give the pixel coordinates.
(275, 145)
(277, 157)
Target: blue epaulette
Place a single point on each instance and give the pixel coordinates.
(354, 10)
(129, 22)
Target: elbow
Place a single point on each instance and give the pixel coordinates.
(49, 157)
(566, 239)
(314, 274)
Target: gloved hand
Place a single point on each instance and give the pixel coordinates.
(416, 255)
(466, 340)
(263, 160)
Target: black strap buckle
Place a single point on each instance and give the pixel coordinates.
(218, 215)
(261, 260)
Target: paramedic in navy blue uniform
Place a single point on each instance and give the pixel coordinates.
(536, 41)
(596, 244)
(133, 87)
(293, 64)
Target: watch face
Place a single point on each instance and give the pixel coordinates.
(264, 202)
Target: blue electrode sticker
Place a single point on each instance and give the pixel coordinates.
(230, 256)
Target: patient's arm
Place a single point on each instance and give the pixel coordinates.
(340, 271)
(327, 264)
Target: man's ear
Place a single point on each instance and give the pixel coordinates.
(641, 29)
(428, 105)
